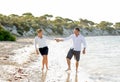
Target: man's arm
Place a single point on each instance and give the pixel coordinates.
(84, 45)
(84, 51)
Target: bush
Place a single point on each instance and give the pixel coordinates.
(6, 36)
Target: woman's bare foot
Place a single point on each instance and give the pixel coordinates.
(47, 68)
(68, 69)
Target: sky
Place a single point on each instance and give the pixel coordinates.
(94, 10)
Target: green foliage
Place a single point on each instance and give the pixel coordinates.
(48, 16)
(104, 25)
(6, 36)
(27, 14)
(86, 23)
(117, 25)
(27, 20)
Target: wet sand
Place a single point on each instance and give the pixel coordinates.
(19, 63)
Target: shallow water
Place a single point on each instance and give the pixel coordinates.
(57, 66)
(102, 61)
(100, 64)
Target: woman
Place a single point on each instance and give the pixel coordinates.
(40, 41)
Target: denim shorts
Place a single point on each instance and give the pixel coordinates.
(75, 53)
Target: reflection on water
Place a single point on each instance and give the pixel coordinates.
(44, 74)
(69, 79)
(76, 77)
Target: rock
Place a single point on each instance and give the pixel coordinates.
(49, 31)
(118, 32)
(14, 31)
(67, 32)
(84, 32)
(31, 32)
(96, 32)
(105, 33)
(7, 28)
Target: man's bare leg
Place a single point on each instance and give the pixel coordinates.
(77, 64)
(69, 64)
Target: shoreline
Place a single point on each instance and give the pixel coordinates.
(24, 65)
(30, 64)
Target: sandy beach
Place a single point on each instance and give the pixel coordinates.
(19, 63)
(13, 55)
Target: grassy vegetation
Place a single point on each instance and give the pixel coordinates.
(6, 36)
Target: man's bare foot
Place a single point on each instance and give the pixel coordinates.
(76, 70)
(42, 69)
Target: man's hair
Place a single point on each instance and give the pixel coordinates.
(39, 30)
(77, 29)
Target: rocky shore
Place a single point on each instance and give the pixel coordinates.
(66, 32)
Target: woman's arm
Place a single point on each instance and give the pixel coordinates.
(35, 44)
(48, 38)
(64, 39)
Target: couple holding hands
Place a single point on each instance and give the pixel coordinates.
(78, 40)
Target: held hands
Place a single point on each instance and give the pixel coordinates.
(57, 40)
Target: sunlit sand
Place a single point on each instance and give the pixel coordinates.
(25, 65)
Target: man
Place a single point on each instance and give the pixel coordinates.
(75, 50)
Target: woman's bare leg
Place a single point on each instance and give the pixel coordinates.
(43, 62)
(46, 61)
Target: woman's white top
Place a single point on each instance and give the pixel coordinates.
(40, 42)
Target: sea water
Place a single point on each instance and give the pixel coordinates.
(102, 59)
(101, 62)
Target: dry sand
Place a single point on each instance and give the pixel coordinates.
(19, 63)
